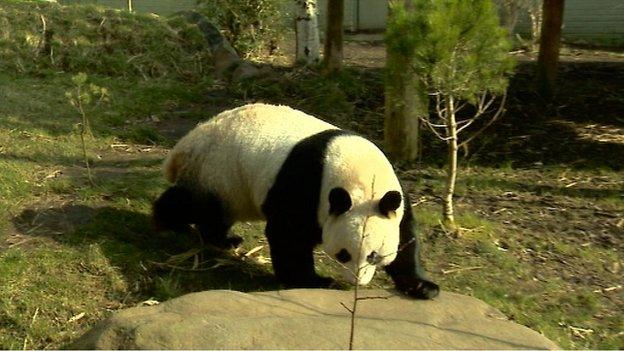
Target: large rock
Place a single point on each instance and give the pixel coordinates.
(311, 319)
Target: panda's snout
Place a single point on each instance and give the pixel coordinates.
(343, 256)
(374, 258)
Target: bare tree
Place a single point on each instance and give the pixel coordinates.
(550, 39)
(332, 53)
(447, 126)
(306, 29)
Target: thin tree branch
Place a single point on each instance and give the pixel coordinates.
(433, 130)
(499, 112)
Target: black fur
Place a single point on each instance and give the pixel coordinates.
(178, 207)
(339, 201)
(171, 211)
(406, 270)
(343, 256)
(389, 202)
(291, 208)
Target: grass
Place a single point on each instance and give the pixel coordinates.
(514, 247)
(68, 248)
(542, 244)
(45, 38)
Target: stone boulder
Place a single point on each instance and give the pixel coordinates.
(311, 319)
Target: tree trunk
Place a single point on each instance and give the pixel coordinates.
(535, 13)
(550, 38)
(306, 29)
(448, 214)
(129, 2)
(406, 102)
(509, 18)
(332, 54)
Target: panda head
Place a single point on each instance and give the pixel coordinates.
(362, 231)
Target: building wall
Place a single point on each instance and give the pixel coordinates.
(598, 22)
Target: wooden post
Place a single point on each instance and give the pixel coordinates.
(332, 54)
(550, 38)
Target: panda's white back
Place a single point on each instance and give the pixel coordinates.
(238, 153)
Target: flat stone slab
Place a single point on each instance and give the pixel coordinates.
(311, 319)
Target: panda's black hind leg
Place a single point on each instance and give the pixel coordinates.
(213, 222)
(172, 210)
(178, 207)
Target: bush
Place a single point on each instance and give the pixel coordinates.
(249, 25)
(36, 37)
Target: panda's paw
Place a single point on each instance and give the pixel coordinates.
(417, 288)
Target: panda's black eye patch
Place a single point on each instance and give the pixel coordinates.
(339, 201)
(390, 202)
(343, 256)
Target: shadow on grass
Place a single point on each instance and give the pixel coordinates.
(141, 254)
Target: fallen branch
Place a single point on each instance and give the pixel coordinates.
(455, 270)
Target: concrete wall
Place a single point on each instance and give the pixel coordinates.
(360, 15)
(598, 22)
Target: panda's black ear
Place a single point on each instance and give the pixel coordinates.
(339, 201)
(390, 202)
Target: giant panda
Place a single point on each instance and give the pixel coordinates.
(312, 183)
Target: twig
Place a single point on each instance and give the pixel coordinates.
(346, 307)
(353, 309)
(449, 271)
(498, 113)
(374, 297)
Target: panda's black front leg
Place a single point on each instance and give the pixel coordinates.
(292, 255)
(406, 270)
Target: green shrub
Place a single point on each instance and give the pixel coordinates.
(40, 37)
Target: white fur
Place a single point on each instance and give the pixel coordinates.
(358, 166)
(238, 153)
